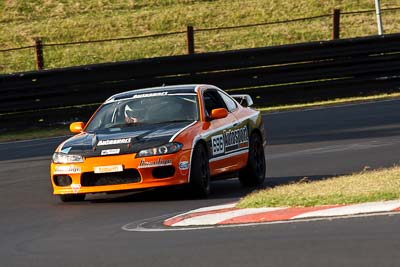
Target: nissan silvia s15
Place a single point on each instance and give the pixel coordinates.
(163, 136)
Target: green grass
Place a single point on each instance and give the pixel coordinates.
(332, 102)
(34, 134)
(367, 186)
(71, 20)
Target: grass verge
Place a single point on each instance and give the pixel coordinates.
(333, 102)
(366, 186)
(81, 20)
(34, 134)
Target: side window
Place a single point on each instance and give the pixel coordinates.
(230, 104)
(212, 100)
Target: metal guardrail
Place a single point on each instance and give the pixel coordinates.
(272, 75)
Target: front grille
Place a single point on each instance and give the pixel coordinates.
(97, 179)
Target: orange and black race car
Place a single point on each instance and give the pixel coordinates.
(164, 136)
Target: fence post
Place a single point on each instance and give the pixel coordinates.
(39, 54)
(378, 16)
(190, 40)
(336, 24)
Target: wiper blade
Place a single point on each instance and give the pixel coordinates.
(174, 121)
(122, 125)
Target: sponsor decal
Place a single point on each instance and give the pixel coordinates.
(70, 169)
(158, 163)
(184, 165)
(235, 139)
(110, 152)
(229, 141)
(114, 142)
(150, 95)
(66, 150)
(76, 187)
(218, 144)
(108, 169)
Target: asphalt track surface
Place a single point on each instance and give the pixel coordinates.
(36, 229)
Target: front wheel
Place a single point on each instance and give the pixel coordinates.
(199, 185)
(254, 172)
(72, 197)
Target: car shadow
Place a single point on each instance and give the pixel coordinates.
(223, 189)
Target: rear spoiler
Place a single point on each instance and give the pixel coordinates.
(244, 100)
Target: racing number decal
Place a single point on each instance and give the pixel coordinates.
(218, 146)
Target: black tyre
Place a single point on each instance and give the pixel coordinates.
(72, 198)
(254, 172)
(199, 185)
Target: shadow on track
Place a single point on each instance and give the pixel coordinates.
(223, 189)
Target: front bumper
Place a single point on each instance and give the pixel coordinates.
(120, 172)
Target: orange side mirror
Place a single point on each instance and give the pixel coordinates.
(76, 127)
(218, 113)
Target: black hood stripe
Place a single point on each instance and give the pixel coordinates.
(140, 137)
(181, 130)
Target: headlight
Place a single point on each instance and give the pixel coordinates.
(66, 158)
(161, 150)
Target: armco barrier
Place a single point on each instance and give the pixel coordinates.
(272, 75)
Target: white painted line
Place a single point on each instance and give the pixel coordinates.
(353, 209)
(323, 107)
(322, 149)
(210, 219)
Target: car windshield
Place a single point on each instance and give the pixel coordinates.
(145, 110)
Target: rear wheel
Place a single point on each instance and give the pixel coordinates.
(72, 198)
(254, 172)
(199, 185)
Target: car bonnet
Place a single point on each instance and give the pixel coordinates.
(122, 140)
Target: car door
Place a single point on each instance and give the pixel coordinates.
(221, 134)
(237, 136)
